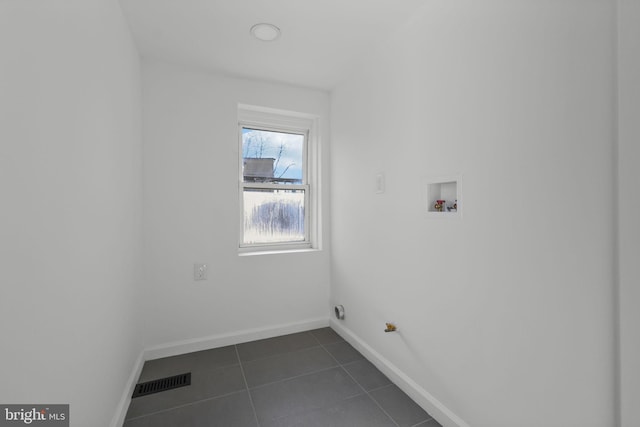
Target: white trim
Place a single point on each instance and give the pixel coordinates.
(214, 341)
(284, 247)
(269, 250)
(266, 186)
(270, 119)
(125, 400)
(428, 402)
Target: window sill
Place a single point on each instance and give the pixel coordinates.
(253, 251)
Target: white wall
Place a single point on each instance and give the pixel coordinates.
(70, 185)
(506, 315)
(191, 213)
(629, 207)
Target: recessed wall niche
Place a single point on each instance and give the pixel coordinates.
(444, 196)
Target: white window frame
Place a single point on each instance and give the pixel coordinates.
(287, 122)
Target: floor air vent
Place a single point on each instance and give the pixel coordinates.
(163, 384)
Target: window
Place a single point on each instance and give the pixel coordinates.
(277, 199)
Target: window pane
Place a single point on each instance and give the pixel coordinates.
(273, 216)
(272, 156)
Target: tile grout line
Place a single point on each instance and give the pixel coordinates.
(383, 386)
(391, 384)
(424, 422)
(280, 354)
(357, 383)
(244, 378)
(273, 356)
(184, 405)
(294, 377)
(308, 410)
(368, 392)
(318, 346)
(372, 398)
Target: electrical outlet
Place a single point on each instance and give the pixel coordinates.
(199, 271)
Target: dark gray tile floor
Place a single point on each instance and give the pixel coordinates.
(308, 379)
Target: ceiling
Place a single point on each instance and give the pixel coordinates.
(321, 41)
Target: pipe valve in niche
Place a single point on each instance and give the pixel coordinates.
(391, 327)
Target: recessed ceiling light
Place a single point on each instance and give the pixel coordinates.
(265, 32)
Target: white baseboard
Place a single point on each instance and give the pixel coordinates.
(205, 343)
(231, 338)
(123, 405)
(428, 402)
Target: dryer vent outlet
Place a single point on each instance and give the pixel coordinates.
(339, 312)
